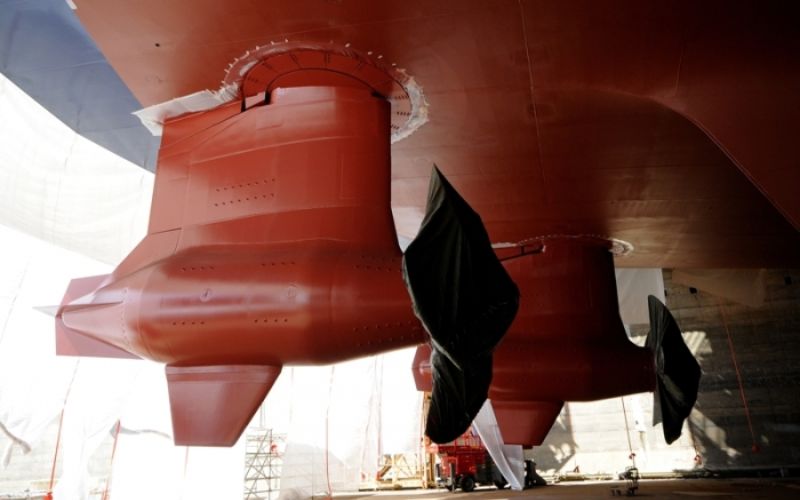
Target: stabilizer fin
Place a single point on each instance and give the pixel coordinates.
(80, 287)
(677, 371)
(466, 300)
(72, 343)
(211, 405)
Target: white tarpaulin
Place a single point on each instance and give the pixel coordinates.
(33, 381)
(34, 384)
(633, 287)
(61, 187)
(508, 458)
(342, 419)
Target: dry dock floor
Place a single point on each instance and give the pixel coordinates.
(680, 489)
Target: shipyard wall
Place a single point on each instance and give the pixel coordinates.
(745, 421)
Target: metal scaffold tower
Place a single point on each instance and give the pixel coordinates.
(263, 463)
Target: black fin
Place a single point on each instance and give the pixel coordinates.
(466, 300)
(677, 371)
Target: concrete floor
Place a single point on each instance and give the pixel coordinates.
(679, 489)
(673, 488)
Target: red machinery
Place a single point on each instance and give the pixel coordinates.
(465, 463)
(271, 242)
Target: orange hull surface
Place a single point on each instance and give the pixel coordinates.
(669, 125)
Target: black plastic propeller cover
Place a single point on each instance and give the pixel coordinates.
(677, 371)
(466, 300)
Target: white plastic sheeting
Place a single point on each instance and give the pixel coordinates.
(153, 117)
(508, 458)
(342, 419)
(33, 381)
(61, 187)
(35, 384)
(633, 287)
(148, 465)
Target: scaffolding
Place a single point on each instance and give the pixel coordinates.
(263, 462)
(399, 471)
(407, 470)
